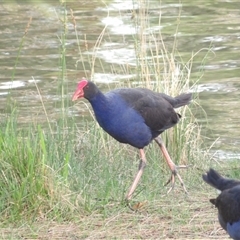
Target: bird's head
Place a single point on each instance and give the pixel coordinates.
(79, 93)
(86, 89)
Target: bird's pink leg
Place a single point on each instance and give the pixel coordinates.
(171, 165)
(142, 165)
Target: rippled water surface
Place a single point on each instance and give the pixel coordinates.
(30, 56)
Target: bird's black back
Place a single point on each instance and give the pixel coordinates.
(157, 109)
(228, 204)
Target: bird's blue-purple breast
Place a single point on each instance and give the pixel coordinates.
(120, 120)
(233, 230)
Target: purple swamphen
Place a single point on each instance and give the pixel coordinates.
(227, 203)
(135, 116)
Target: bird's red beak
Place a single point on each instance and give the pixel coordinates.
(79, 93)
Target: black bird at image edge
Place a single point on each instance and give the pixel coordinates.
(227, 203)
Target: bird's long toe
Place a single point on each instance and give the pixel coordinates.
(172, 179)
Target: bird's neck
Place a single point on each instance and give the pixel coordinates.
(104, 107)
(99, 102)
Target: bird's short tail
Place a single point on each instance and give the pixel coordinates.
(214, 179)
(179, 101)
(182, 100)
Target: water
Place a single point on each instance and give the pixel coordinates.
(211, 28)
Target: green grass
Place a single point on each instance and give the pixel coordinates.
(68, 179)
(33, 173)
